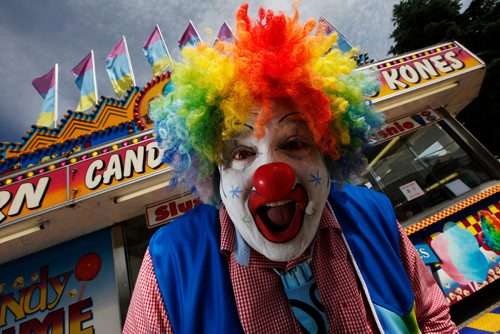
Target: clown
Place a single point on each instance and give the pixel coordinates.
(274, 188)
(260, 127)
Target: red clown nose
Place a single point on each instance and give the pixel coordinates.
(274, 180)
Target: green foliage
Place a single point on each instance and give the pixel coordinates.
(480, 28)
(421, 23)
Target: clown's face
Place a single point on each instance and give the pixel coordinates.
(275, 187)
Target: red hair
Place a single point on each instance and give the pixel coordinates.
(274, 57)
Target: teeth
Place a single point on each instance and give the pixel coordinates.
(273, 204)
(310, 208)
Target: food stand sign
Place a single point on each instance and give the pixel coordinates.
(165, 211)
(468, 257)
(115, 167)
(69, 288)
(30, 196)
(47, 188)
(414, 70)
(404, 125)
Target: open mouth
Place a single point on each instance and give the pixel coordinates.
(279, 221)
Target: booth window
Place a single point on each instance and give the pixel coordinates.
(137, 237)
(420, 170)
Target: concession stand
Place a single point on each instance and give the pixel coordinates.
(444, 185)
(79, 202)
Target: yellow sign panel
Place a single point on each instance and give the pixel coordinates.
(115, 167)
(88, 174)
(28, 196)
(421, 68)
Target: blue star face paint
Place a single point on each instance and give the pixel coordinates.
(316, 179)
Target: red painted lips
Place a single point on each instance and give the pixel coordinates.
(277, 204)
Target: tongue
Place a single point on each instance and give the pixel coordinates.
(279, 217)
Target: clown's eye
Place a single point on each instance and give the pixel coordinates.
(242, 153)
(295, 145)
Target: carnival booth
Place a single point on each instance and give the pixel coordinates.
(443, 184)
(79, 202)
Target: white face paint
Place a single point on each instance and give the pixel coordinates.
(276, 208)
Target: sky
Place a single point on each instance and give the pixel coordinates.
(37, 34)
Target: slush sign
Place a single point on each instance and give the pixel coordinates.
(161, 213)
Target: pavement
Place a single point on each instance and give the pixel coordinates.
(487, 322)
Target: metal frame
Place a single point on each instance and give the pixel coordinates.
(474, 147)
(122, 280)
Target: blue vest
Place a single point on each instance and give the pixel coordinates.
(193, 275)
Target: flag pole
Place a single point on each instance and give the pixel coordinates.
(56, 93)
(95, 78)
(231, 30)
(196, 31)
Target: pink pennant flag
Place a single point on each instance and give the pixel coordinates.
(156, 52)
(85, 65)
(189, 37)
(46, 86)
(325, 27)
(225, 34)
(46, 82)
(86, 81)
(119, 68)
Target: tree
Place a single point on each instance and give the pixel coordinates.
(420, 23)
(480, 28)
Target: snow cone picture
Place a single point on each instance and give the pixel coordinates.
(460, 255)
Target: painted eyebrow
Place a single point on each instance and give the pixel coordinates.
(280, 121)
(288, 115)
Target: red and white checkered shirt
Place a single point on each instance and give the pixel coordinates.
(263, 306)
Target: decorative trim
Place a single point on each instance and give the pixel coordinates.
(452, 209)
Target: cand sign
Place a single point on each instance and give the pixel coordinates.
(32, 195)
(78, 178)
(115, 167)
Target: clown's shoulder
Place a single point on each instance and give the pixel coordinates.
(183, 230)
(188, 245)
(191, 273)
(370, 210)
(350, 193)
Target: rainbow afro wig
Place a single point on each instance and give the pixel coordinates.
(216, 88)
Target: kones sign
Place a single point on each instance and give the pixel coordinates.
(415, 70)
